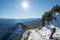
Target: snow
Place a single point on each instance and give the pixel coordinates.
(42, 34)
(24, 35)
(52, 26)
(57, 13)
(39, 35)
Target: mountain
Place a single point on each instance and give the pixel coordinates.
(49, 28)
(12, 28)
(10, 22)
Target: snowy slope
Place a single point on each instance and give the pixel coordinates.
(42, 34)
(45, 32)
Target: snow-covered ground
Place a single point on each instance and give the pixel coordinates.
(42, 34)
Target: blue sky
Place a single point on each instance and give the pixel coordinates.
(14, 8)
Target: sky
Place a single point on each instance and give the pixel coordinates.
(21, 9)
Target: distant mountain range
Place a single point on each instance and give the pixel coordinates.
(10, 28)
(10, 22)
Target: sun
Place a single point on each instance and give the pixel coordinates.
(25, 5)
